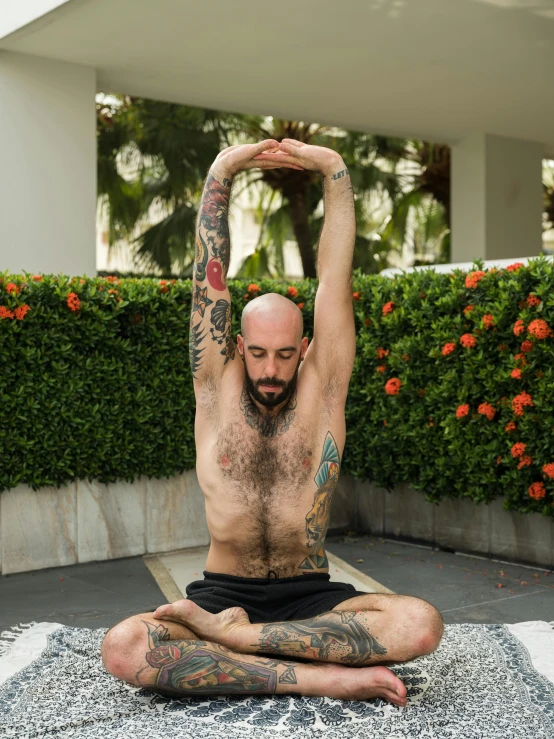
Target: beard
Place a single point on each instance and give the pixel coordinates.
(270, 400)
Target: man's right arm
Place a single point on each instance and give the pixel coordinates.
(211, 346)
(210, 342)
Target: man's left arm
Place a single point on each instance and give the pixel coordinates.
(333, 347)
(334, 342)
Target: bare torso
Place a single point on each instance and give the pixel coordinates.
(268, 482)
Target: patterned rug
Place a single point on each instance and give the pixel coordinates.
(484, 682)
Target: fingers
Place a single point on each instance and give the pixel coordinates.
(291, 149)
(266, 164)
(278, 156)
(293, 142)
(265, 145)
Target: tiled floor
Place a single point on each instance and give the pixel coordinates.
(464, 589)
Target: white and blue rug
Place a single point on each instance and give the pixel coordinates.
(484, 682)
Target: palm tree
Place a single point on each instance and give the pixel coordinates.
(153, 157)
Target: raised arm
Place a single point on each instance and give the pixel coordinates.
(333, 347)
(211, 346)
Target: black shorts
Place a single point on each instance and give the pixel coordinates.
(267, 600)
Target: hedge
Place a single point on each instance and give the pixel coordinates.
(452, 389)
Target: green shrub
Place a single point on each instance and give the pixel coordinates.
(102, 389)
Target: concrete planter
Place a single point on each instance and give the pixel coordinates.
(85, 522)
(456, 524)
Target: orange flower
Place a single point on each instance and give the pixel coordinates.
(518, 449)
(300, 305)
(21, 311)
(524, 462)
(499, 460)
(431, 422)
(448, 348)
(526, 346)
(382, 353)
(388, 308)
(515, 266)
(367, 322)
(37, 278)
(537, 490)
(520, 357)
(473, 278)
(385, 423)
(486, 409)
(488, 320)
(292, 292)
(519, 327)
(468, 309)
(468, 340)
(539, 328)
(393, 386)
(381, 368)
(533, 300)
(73, 302)
(462, 410)
(548, 470)
(509, 427)
(520, 401)
(406, 357)
(5, 312)
(516, 374)
(12, 288)
(253, 288)
(355, 296)
(246, 296)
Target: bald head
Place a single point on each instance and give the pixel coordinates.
(272, 314)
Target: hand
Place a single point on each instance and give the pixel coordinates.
(247, 156)
(306, 156)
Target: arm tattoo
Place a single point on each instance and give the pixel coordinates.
(317, 519)
(342, 173)
(267, 426)
(211, 262)
(194, 667)
(335, 636)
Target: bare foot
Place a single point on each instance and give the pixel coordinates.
(222, 628)
(363, 683)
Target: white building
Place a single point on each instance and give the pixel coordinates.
(475, 74)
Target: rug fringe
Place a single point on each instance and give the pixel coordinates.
(7, 638)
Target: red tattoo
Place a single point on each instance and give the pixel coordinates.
(214, 272)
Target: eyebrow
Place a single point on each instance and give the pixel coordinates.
(283, 349)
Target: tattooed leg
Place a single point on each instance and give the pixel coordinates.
(400, 630)
(142, 651)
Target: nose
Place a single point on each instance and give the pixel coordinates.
(270, 368)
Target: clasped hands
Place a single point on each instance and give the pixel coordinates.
(270, 154)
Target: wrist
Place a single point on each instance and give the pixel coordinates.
(221, 173)
(337, 172)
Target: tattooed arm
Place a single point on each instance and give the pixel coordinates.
(211, 345)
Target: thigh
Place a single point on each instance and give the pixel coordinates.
(374, 602)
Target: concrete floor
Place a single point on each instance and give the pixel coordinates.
(464, 589)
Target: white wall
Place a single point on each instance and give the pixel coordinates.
(48, 166)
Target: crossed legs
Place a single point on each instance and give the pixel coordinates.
(184, 650)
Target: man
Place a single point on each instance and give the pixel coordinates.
(270, 431)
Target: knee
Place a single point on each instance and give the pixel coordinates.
(120, 647)
(427, 625)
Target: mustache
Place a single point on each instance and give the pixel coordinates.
(269, 381)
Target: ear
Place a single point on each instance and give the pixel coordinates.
(304, 347)
(240, 345)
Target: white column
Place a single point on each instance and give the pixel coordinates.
(47, 165)
(496, 198)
